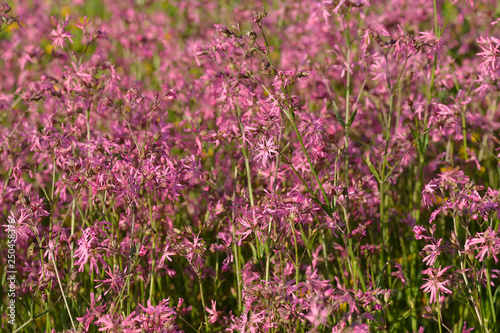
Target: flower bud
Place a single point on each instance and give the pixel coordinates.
(157, 136)
(258, 16)
(252, 35)
(303, 74)
(76, 287)
(141, 153)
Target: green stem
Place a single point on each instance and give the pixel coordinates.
(203, 301)
(296, 254)
(490, 297)
(308, 159)
(153, 253)
(88, 120)
(464, 134)
(347, 116)
(62, 290)
(439, 315)
(236, 249)
(435, 17)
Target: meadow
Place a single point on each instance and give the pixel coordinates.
(250, 166)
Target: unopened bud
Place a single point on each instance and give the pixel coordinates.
(149, 177)
(387, 296)
(24, 200)
(150, 231)
(252, 35)
(224, 32)
(76, 287)
(107, 102)
(237, 26)
(157, 136)
(142, 153)
(31, 249)
(304, 74)
(114, 244)
(258, 16)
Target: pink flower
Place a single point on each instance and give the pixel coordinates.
(490, 53)
(212, 318)
(433, 251)
(470, 2)
(83, 23)
(167, 252)
(265, 150)
(116, 280)
(160, 318)
(58, 36)
(92, 312)
(465, 329)
(318, 315)
(436, 282)
(487, 242)
(419, 231)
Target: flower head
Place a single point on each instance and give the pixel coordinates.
(436, 282)
(58, 36)
(266, 149)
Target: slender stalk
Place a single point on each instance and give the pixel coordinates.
(490, 297)
(435, 17)
(203, 301)
(296, 254)
(290, 115)
(325, 197)
(236, 250)
(464, 134)
(62, 290)
(347, 116)
(88, 120)
(22, 326)
(439, 315)
(153, 253)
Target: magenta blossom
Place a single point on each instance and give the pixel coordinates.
(436, 282)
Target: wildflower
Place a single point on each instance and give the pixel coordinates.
(318, 315)
(118, 323)
(266, 149)
(92, 312)
(58, 36)
(116, 280)
(160, 318)
(419, 232)
(465, 329)
(487, 242)
(212, 318)
(470, 2)
(167, 252)
(436, 283)
(88, 248)
(490, 47)
(399, 274)
(433, 251)
(83, 23)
